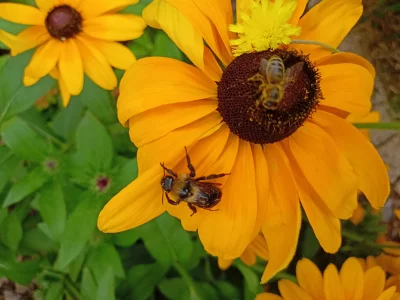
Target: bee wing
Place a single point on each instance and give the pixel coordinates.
(263, 66)
(292, 72)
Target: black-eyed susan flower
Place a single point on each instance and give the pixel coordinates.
(73, 38)
(302, 148)
(351, 283)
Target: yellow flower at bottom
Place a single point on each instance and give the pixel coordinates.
(351, 283)
(72, 38)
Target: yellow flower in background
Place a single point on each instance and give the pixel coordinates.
(257, 248)
(73, 37)
(351, 283)
(300, 149)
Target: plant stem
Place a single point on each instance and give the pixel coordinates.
(359, 239)
(310, 42)
(194, 295)
(284, 275)
(388, 125)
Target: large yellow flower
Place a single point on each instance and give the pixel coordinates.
(352, 283)
(73, 37)
(304, 149)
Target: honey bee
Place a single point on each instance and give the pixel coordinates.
(274, 78)
(185, 187)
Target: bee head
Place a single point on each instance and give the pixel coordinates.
(167, 182)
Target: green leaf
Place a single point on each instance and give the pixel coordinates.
(11, 231)
(26, 186)
(103, 257)
(252, 282)
(55, 291)
(88, 285)
(52, 208)
(174, 289)
(126, 238)
(7, 167)
(35, 240)
(14, 96)
(166, 240)
(206, 291)
(23, 140)
(128, 171)
(94, 144)
(227, 290)
(136, 8)
(105, 290)
(144, 278)
(98, 101)
(76, 265)
(310, 245)
(165, 47)
(80, 226)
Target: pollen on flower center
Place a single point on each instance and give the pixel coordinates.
(266, 106)
(264, 26)
(63, 22)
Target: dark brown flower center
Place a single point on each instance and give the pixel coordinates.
(63, 22)
(265, 97)
(102, 183)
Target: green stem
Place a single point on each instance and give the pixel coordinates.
(310, 42)
(71, 289)
(284, 275)
(360, 239)
(189, 281)
(388, 125)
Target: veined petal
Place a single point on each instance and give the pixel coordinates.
(96, 65)
(44, 59)
(328, 22)
(290, 290)
(155, 123)
(211, 66)
(160, 14)
(176, 82)
(301, 6)
(71, 67)
(117, 27)
(30, 38)
(387, 294)
(372, 178)
(21, 14)
(347, 87)
(260, 247)
(352, 279)
(268, 296)
(332, 286)
(65, 94)
(310, 278)
(282, 224)
(310, 144)
(248, 257)
(94, 8)
(235, 218)
(374, 283)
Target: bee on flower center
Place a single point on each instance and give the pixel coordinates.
(185, 187)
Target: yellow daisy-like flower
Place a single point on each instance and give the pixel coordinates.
(351, 283)
(73, 37)
(277, 150)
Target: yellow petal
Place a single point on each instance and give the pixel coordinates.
(358, 215)
(301, 6)
(371, 262)
(45, 5)
(310, 144)
(268, 296)
(211, 66)
(387, 295)
(333, 289)
(291, 291)
(259, 246)
(94, 8)
(176, 82)
(157, 122)
(44, 59)
(224, 264)
(235, 218)
(65, 94)
(71, 67)
(262, 183)
(30, 38)
(328, 22)
(310, 278)
(372, 178)
(283, 220)
(117, 27)
(248, 257)
(347, 87)
(352, 278)
(29, 80)
(96, 65)
(374, 282)
(160, 14)
(21, 14)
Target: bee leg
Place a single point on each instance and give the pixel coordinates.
(193, 208)
(212, 209)
(170, 201)
(168, 170)
(212, 176)
(190, 166)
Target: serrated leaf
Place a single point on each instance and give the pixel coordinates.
(11, 231)
(227, 290)
(52, 208)
(94, 143)
(103, 257)
(126, 238)
(144, 278)
(26, 186)
(165, 47)
(88, 285)
(23, 140)
(174, 289)
(310, 245)
(14, 96)
(105, 289)
(80, 226)
(166, 240)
